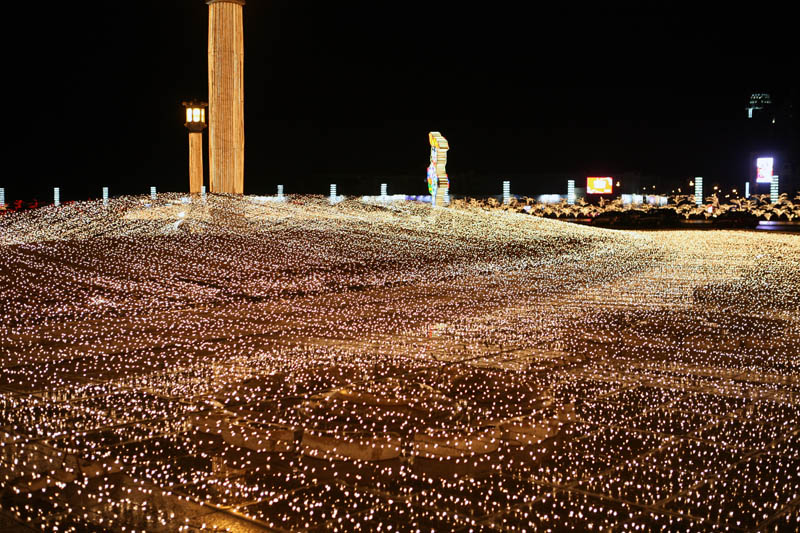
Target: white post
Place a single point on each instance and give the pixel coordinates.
(571, 192)
(280, 193)
(506, 192)
(56, 196)
(383, 192)
(105, 196)
(747, 189)
(203, 192)
(333, 193)
(153, 193)
(774, 189)
(698, 191)
(2, 197)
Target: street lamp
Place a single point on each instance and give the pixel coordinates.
(195, 123)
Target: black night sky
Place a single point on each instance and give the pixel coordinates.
(347, 91)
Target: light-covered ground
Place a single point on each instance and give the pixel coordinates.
(257, 365)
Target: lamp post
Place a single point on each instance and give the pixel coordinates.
(195, 123)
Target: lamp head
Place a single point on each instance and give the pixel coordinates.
(195, 113)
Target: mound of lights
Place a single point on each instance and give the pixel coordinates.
(234, 364)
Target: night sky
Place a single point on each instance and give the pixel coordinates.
(347, 91)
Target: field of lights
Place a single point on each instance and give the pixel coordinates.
(244, 365)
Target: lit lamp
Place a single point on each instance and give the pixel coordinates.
(196, 123)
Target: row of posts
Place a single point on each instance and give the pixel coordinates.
(334, 198)
(57, 194)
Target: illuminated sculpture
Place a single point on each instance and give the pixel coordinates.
(438, 183)
(226, 96)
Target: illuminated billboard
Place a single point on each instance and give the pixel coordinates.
(599, 185)
(764, 169)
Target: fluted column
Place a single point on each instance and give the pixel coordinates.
(226, 95)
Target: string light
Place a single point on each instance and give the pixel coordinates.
(387, 366)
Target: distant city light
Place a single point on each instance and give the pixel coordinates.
(774, 189)
(698, 190)
(757, 103)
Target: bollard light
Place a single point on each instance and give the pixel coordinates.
(506, 192)
(571, 192)
(153, 193)
(105, 196)
(56, 196)
(333, 193)
(280, 193)
(2, 197)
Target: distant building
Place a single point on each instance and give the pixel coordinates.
(759, 104)
(770, 133)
